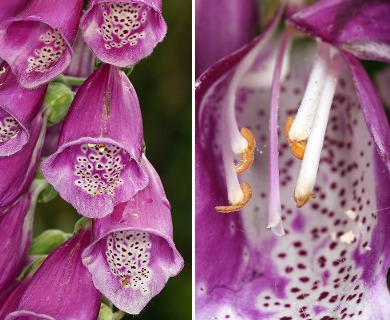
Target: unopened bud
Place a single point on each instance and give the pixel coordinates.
(47, 241)
(57, 101)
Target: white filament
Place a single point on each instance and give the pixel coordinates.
(303, 122)
(310, 163)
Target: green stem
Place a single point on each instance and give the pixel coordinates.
(118, 315)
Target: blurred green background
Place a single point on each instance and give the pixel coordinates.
(163, 83)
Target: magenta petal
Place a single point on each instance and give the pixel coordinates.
(19, 170)
(62, 288)
(15, 237)
(10, 8)
(41, 34)
(96, 165)
(133, 254)
(372, 108)
(18, 107)
(357, 26)
(83, 59)
(122, 32)
(221, 28)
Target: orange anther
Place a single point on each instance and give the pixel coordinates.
(249, 154)
(301, 201)
(246, 189)
(297, 148)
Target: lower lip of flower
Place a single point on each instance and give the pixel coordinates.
(128, 256)
(9, 127)
(99, 167)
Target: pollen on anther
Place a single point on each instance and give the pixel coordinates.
(248, 155)
(246, 189)
(297, 148)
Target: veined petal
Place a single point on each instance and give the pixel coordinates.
(10, 8)
(19, 170)
(332, 261)
(96, 165)
(221, 28)
(122, 32)
(16, 231)
(83, 59)
(18, 107)
(62, 287)
(133, 254)
(372, 108)
(357, 26)
(41, 33)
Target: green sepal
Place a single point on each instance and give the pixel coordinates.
(105, 312)
(47, 241)
(32, 268)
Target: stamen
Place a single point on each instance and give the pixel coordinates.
(247, 192)
(248, 155)
(309, 168)
(297, 148)
(302, 125)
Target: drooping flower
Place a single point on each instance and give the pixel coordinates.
(96, 165)
(36, 42)
(214, 37)
(62, 287)
(122, 32)
(334, 256)
(18, 107)
(16, 233)
(133, 254)
(18, 170)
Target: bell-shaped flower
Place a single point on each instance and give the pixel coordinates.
(332, 260)
(62, 288)
(10, 8)
(18, 170)
(133, 254)
(16, 224)
(122, 32)
(214, 37)
(18, 107)
(36, 42)
(97, 163)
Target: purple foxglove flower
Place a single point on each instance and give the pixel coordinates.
(214, 37)
(36, 41)
(122, 32)
(18, 107)
(133, 254)
(333, 259)
(62, 288)
(15, 232)
(18, 170)
(357, 26)
(96, 165)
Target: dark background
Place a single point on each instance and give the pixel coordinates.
(163, 83)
